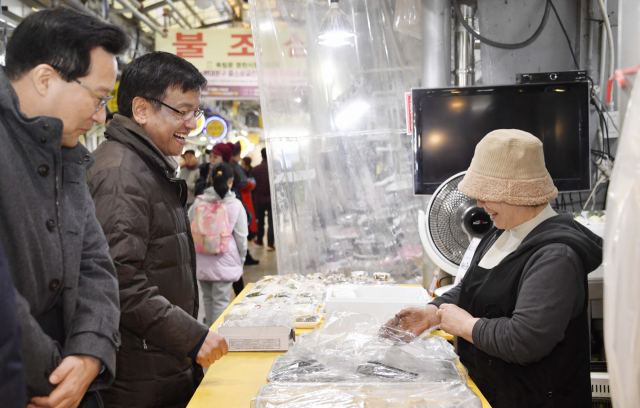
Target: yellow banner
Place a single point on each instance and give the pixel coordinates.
(226, 57)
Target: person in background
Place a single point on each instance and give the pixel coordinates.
(262, 197)
(242, 179)
(223, 153)
(244, 189)
(216, 273)
(13, 388)
(60, 68)
(140, 204)
(220, 153)
(253, 225)
(246, 165)
(190, 173)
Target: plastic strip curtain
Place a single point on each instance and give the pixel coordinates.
(621, 260)
(339, 159)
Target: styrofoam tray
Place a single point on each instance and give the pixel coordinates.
(380, 302)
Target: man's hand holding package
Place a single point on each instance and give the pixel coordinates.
(213, 348)
(72, 377)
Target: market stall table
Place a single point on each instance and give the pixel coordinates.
(236, 378)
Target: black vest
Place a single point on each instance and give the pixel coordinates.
(560, 379)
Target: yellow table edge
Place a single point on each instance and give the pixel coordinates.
(236, 378)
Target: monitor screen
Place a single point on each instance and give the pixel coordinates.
(449, 123)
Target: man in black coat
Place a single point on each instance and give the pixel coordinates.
(12, 382)
(60, 68)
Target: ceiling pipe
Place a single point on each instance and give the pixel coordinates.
(141, 17)
(436, 44)
(173, 6)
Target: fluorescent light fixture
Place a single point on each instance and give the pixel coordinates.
(350, 114)
(335, 29)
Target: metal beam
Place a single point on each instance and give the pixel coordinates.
(173, 6)
(12, 16)
(152, 7)
(34, 3)
(217, 23)
(196, 15)
(141, 17)
(156, 22)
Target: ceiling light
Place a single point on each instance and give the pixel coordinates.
(335, 29)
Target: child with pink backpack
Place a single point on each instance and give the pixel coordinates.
(219, 229)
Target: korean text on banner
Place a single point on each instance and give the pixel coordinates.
(226, 57)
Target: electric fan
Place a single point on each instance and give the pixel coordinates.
(451, 221)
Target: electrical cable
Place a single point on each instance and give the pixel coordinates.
(575, 60)
(536, 34)
(607, 25)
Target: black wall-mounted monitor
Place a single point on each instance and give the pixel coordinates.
(448, 123)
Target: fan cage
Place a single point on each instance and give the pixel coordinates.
(444, 226)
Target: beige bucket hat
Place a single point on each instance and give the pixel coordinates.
(508, 167)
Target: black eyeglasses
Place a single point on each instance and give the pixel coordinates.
(186, 115)
(103, 99)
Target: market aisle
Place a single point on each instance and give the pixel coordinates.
(268, 266)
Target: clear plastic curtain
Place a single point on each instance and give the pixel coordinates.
(621, 263)
(339, 159)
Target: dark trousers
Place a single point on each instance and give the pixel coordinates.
(238, 286)
(261, 209)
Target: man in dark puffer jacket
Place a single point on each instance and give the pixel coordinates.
(140, 204)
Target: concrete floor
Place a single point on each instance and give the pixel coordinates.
(268, 266)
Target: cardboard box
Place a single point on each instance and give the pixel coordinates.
(379, 301)
(258, 338)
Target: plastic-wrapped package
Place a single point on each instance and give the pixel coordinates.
(408, 18)
(391, 366)
(621, 260)
(348, 348)
(266, 316)
(368, 395)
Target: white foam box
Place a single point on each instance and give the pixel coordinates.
(258, 338)
(380, 301)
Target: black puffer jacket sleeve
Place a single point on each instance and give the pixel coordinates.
(123, 209)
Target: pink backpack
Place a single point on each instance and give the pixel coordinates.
(210, 228)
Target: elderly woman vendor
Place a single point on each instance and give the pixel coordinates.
(520, 313)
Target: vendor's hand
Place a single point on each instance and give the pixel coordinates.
(213, 348)
(456, 321)
(72, 377)
(410, 322)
